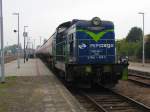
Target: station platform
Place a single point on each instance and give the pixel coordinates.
(33, 67)
(139, 68)
(48, 92)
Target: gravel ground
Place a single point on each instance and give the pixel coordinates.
(141, 94)
(147, 81)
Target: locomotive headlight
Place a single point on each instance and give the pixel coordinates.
(96, 21)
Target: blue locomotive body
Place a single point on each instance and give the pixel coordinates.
(85, 52)
(95, 45)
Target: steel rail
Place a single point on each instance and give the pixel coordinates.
(140, 76)
(139, 82)
(99, 107)
(137, 104)
(139, 79)
(134, 102)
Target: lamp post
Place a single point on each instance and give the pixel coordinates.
(40, 40)
(25, 35)
(143, 56)
(34, 43)
(28, 48)
(18, 57)
(2, 44)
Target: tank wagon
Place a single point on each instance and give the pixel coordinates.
(85, 51)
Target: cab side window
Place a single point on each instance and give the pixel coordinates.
(71, 42)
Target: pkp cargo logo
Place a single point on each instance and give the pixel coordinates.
(82, 46)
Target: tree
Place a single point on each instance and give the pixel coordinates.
(12, 48)
(131, 49)
(122, 47)
(139, 50)
(134, 35)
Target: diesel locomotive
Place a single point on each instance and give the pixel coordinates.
(84, 50)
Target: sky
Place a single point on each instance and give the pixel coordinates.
(43, 16)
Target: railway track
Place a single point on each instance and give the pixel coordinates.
(141, 80)
(7, 59)
(139, 73)
(105, 100)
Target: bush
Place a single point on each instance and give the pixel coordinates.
(133, 49)
(127, 48)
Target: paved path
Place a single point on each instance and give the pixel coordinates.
(30, 68)
(37, 90)
(139, 67)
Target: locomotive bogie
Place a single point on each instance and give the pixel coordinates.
(102, 74)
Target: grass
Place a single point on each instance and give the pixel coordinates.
(22, 94)
(9, 81)
(4, 92)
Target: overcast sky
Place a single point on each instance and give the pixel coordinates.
(43, 16)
